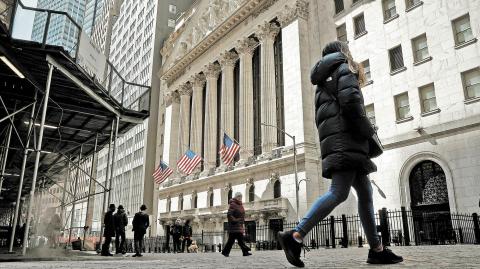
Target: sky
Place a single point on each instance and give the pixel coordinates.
(24, 21)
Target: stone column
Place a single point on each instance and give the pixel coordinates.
(266, 34)
(173, 99)
(227, 61)
(211, 72)
(196, 127)
(245, 48)
(185, 91)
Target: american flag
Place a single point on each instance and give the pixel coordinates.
(229, 149)
(162, 172)
(188, 162)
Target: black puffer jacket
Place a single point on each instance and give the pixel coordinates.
(340, 116)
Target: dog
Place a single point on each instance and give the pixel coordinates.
(193, 248)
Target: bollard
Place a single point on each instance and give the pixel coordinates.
(219, 247)
(406, 231)
(460, 232)
(332, 230)
(384, 226)
(476, 228)
(257, 245)
(327, 243)
(345, 232)
(360, 241)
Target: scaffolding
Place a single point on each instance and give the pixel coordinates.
(54, 119)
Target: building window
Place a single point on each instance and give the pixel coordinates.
(396, 58)
(229, 196)
(412, 3)
(359, 25)
(172, 9)
(420, 48)
(462, 30)
(277, 189)
(195, 201)
(402, 106)
(389, 10)
(338, 6)
(370, 111)
(427, 98)
(171, 23)
(211, 199)
(251, 193)
(278, 55)
(342, 33)
(471, 83)
(366, 70)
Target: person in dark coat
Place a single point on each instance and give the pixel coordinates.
(187, 235)
(344, 131)
(176, 232)
(236, 226)
(121, 221)
(109, 230)
(140, 224)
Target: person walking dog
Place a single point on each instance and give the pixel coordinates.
(109, 231)
(347, 142)
(236, 227)
(140, 224)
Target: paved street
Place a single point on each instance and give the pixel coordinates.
(467, 256)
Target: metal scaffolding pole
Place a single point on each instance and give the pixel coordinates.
(72, 214)
(37, 157)
(112, 171)
(62, 210)
(22, 175)
(5, 156)
(91, 182)
(102, 211)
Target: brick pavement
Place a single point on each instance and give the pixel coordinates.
(456, 256)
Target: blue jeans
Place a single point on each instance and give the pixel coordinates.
(342, 181)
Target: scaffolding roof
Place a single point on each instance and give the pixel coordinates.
(79, 108)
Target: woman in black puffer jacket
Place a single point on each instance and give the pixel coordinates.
(344, 131)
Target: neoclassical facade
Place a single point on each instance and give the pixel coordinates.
(240, 67)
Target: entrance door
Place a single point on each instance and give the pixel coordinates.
(429, 204)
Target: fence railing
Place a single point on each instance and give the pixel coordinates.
(396, 227)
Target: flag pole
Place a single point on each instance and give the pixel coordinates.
(231, 137)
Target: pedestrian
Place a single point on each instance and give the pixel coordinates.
(176, 232)
(236, 227)
(109, 231)
(187, 235)
(121, 221)
(140, 224)
(345, 141)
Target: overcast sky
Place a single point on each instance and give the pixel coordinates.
(24, 21)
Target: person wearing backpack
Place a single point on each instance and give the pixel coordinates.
(348, 142)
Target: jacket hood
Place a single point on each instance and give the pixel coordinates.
(325, 67)
(120, 211)
(233, 200)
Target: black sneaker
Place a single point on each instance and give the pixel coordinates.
(224, 254)
(384, 257)
(247, 254)
(291, 248)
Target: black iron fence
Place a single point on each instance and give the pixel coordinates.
(396, 227)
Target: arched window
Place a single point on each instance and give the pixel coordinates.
(251, 193)
(428, 187)
(211, 199)
(194, 201)
(277, 189)
(230, 193)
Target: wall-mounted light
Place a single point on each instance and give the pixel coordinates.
(12, 67)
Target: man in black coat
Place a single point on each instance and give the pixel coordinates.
(140, 224)
(121, 221)
(109, 231)
(176, 232)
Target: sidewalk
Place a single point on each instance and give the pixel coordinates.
(450, 256)
(45, 254)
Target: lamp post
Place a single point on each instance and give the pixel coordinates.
(295, 164)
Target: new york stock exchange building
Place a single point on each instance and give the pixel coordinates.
(242, 67)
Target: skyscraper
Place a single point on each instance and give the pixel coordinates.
(93, 11)
(61, 31)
